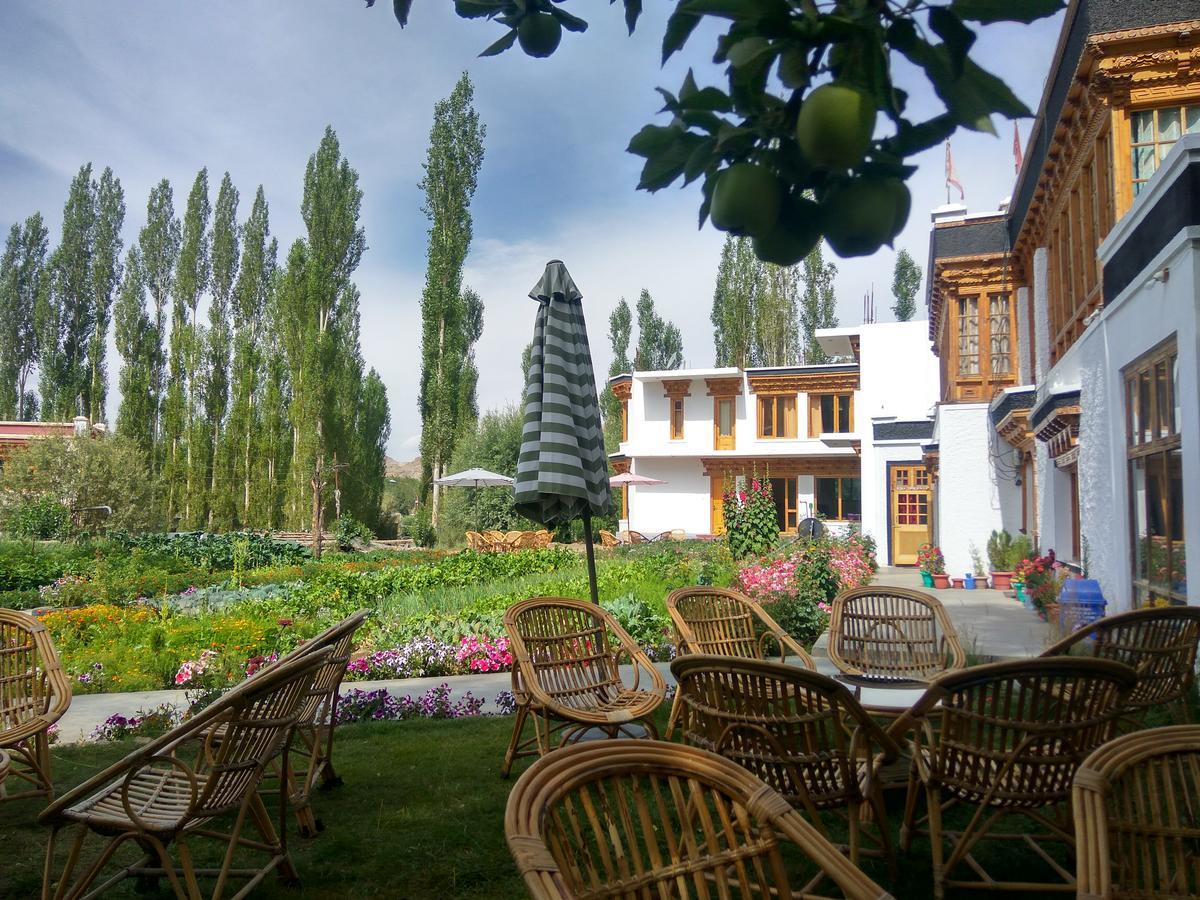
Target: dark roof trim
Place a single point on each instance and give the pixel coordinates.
(1050, 405)
(921, 430)
(1175, 209)
(617, 379)
(1012, 400)
(803, 370)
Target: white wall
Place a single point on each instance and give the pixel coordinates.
(899, 373)
(876, 518)
(683, 502)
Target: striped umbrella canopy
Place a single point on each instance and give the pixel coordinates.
(562, 470)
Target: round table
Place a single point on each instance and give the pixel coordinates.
(887, 701)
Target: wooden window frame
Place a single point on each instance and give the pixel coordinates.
(790, 425)
(677, 418)
(624, 420)
(841, 516)
(1160, 147)
(717, 401)
(984, 382)
(816, 415)
(1147, 444)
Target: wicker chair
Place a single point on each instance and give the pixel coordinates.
(650, 819)
(632, 537)
(494, 540)
(544, 538)
(1005, 740)
(1137, 816)
(154, 798)
(801, 732)
(725, 623)
(475, 541)
(608, 539)
(888, 634)
(566, 675)
(1160, 644)
(34, 694)
(527, 540)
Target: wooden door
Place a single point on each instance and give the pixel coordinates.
(717, 500)
(724, 423)
(911, 511)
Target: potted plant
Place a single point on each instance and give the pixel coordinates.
(1044, 577)
(959, 583)
(925, 561)
(999, 550)
(935, 564)
(977, 577)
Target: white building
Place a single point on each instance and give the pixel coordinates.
(842, 442)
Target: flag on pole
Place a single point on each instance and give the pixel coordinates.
(1018, 156)
(951, 179)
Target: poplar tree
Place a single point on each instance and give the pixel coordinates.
(373, 426)
(660, 345)
(733, 311)
(620, 332)
(468, 403)
(158, 252)
(225, 255)
(906, 280)
(272, 440)
(23, 277)
(249, 309)
(137, 346)
(106, 275)
(451, 172)
(818, 304)
(776, 327)
(65, 314)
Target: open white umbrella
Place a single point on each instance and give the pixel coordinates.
(628, 478)
(475, 478)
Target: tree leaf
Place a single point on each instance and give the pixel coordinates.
(679, 28)
(653, 139)
(971, 97)
(747, 50)
(912, 139)
(633, 9)
(988, 11)
(958, 37)
(724, 9)
(477, 9)
(703, 156)
(569, 22)
(664, 166)
(400, 9)
(501, 45)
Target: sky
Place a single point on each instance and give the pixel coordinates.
(159, 90)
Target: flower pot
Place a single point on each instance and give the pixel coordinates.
(1002, 581)
(956, 583)
(926, 579)
(1019, 588)
(941, 580)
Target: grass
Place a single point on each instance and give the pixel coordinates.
(420, 815)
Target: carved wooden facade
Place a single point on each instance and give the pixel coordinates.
(782, 467)
(818, 382)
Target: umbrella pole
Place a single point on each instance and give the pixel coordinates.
(591, 554)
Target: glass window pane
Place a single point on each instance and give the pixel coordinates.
(766, 409)
(1178, 420)
(1178, 578)
(725, 417)
(1168, 124)
(1141, 535)
(827, 417)
(1131, 411)
(1162, 384)
(1141, 126)
(1156, 523)
(1147, 427)
(1144, 162)
(851, 498)
(827, 497)
(1192, 119)
(843, 423)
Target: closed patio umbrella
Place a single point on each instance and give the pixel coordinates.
(562, 470)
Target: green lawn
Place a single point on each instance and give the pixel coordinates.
(420, 815)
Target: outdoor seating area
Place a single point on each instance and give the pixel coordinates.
(502, 542)
(627, 537)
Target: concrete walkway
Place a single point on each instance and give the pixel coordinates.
(990, 626)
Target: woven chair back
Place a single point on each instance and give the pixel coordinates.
(544, 538)
(651, 819)
(1137, 816)
(526, 540)
(254, 723)
(563, 645)
(801, 732)
(1012, 734)
(474, 540)
(1159, 644)
(892, 634)
(31, 676)
(608, 539)
(722, 622)
(319, 706)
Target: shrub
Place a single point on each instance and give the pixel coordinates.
(144, 723)
(349, 533)
(212, 551)
(751, 524)
(930, 559)
(645, 624)
(42, 518)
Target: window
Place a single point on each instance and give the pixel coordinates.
(839, 498)
(624, 420)
(724, 423)
(1155, 459)
(830, 414)
(786, 496)
(968, 335)
(999, 334)
(777, 416)
(1152, 133)
(676, 418)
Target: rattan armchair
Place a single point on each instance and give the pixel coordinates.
(494, 540)
(566, 675)
(34, 694)
(888, 634)
(155, 798)
(475, 541)
(608, 539)
(1160, 644)
(544, 538)
(632, 537)
(801, 732)
(1137, 816)
(1005, 740)
(651, 819)
(726, 623)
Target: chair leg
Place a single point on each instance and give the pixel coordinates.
(515, 740)
(885, 831)
(676, 710)
(908, 825)
(933, 800)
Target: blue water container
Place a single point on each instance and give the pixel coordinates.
(1082, 601)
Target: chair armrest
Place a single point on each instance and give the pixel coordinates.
(27, 729)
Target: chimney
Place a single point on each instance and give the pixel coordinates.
(950, 212)
(81, 426)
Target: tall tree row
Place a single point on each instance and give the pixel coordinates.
(906, 281)
(449, 314)
(243, 384)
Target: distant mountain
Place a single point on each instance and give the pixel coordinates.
(394, 469)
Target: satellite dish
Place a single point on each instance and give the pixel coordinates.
(810, 527)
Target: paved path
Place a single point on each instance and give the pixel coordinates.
(990, 626)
